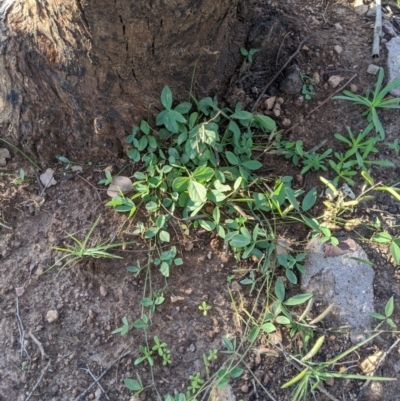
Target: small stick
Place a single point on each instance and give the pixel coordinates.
(97, 189)
(325, 101)
(277, 74)
(39, 344)
(251, 74)
(37, 383)
(384, 356)
(41, 187)
(208, 390)
(96, 380)
(254, 388)
(81, 396)
(339, 70)
(21, 332)
(280, 48)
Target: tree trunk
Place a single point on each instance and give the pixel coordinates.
(76, 75)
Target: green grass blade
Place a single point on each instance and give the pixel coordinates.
(378, 83)
(353, 348)
(85, 241)
(394, 84)
(70, 251)
(76, 240)
(377, 124)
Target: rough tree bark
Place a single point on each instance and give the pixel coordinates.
(76, 75)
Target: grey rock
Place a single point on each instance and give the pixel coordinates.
(335, 80)
(222, 394)
(393, 62)
(292, 83)
(373, 69)
(343, 281)
(388, 28)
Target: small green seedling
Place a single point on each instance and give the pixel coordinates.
(195, 383)
(394, 244)
(315, 161)
(395, 146)
(307, 89)
(157, 298)
(205, 308)
(373, 101)
(249, 53)
(64, 160)
(107, 180)
(166, 259)
(147, 356)
(21, 178)
(389, 308)
(212, 354)
(162, 350)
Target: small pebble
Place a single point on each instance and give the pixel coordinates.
(338, 27)
(373, 69)
(103, 291)
(277, 110)
(335, 80)
(52, 316)
(244, 389)
(286, 122)
(338, 49)
(269, 103)
(97, 394)
(353, 88)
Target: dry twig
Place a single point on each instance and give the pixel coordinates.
(96, 380)
(21, 332)
(322, 103)
(39, 344)
(81, 396)
(384, 356)
(37, 383)
(277, 74)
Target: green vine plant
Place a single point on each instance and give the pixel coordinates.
(201, 157)
(199, 165)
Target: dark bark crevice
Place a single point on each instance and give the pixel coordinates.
(76, 75)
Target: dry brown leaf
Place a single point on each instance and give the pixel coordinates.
(176, 298)
(283, 246)
(275, 337)
(346, 245)
(269, 352)
(189, 246)
(47, 178)
(369, 364)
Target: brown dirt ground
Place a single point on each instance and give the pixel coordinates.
(92, 297)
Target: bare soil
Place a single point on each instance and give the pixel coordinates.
(92, 297)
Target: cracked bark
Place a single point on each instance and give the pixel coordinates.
(76, 75)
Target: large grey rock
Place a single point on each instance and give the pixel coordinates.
(292, 83)
(393, 62)
(343, 281)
